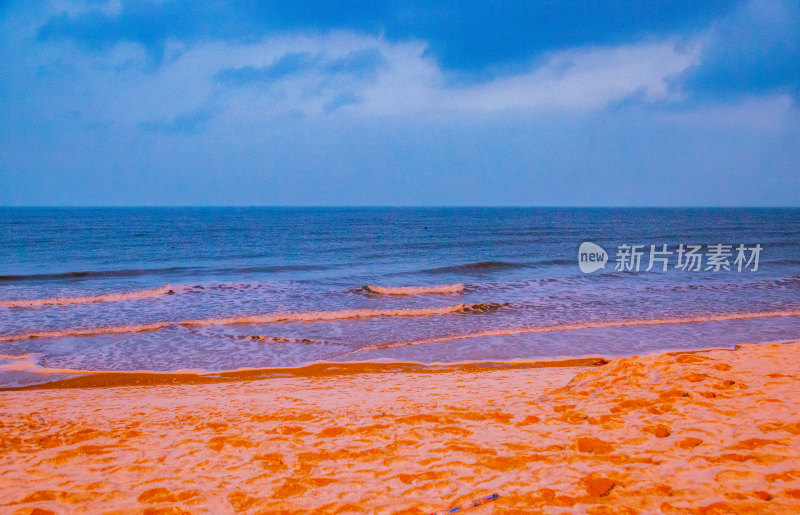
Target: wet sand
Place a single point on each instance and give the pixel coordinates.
(708, 432)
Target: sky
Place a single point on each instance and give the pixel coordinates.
(400, 102)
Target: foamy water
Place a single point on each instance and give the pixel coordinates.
(151, 293)
(416, 290)
(268, 318)
(226, 289)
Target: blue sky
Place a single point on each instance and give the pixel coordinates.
(575, 102)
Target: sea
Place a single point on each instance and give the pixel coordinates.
(213, 289)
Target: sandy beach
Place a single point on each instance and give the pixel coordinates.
(707, 432)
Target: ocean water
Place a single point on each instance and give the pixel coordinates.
(216, 289)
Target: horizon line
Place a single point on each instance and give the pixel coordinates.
(385, 206)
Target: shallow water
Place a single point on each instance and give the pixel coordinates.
(268, 287)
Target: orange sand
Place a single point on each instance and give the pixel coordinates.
(709, 432)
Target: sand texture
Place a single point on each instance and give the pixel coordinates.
(709, 432)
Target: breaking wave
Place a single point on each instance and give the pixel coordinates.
(485, 307)
(270, 318)
(415, 290)
(106, 297)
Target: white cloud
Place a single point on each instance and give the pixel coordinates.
(413, 83)
(575, 79)
(120, 86)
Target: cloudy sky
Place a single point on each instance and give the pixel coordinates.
(400, 102)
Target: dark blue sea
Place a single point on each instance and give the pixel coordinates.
(216, 289)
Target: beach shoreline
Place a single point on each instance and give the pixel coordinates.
(714, 431)
(66, 379)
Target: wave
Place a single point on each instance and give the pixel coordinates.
(550, 262)
(106, 297)
(781, 262)
(767, 284)
(270, 318)
(485, 307)
(93, 274)
(258, 338)
(482, 266)
(282, 339)
(415, 290)
(271, 269)
(572, 327)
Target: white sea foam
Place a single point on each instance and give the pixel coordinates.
(416, 290)
(269, 318)
(167, 289)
